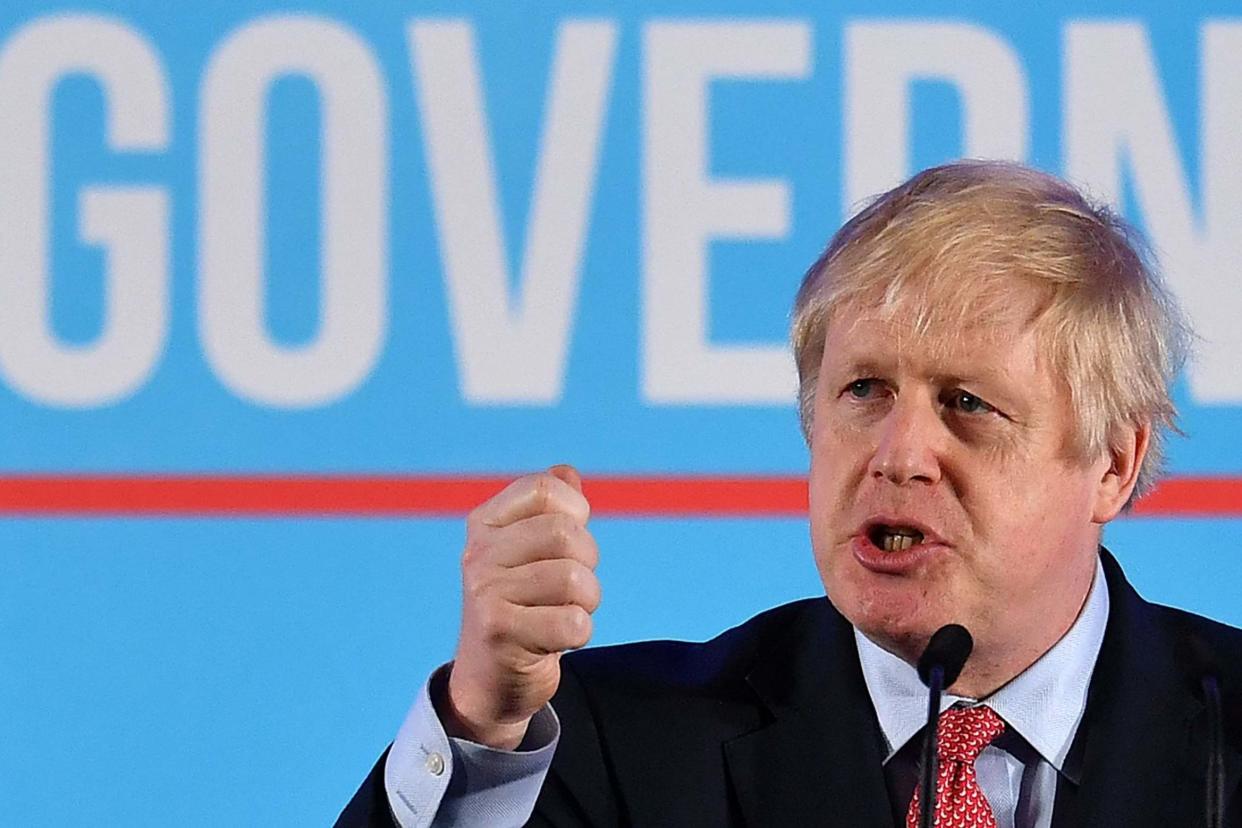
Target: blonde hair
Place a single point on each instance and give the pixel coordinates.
(948, 246)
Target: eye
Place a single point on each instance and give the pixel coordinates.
(968, 403)
(861, 388)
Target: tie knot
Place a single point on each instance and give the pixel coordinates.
(965, 731)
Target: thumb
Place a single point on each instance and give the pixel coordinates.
(568, 474)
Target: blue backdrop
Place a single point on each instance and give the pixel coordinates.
(435, 239)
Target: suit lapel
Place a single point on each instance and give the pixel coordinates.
(1134, 744)
(818, 761)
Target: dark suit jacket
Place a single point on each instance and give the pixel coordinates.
(770, 724)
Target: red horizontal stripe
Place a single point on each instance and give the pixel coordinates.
(1193, 497)
(419, 495)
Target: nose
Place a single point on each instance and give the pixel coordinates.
(910, 442)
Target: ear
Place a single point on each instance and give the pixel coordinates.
(1126, 452)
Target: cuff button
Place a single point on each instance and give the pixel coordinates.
(435, 764)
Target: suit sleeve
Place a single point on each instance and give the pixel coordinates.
(580, 788)
(369, 806)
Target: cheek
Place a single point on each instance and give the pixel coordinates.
(822, 518)
(1023, 534)
(830, 495)
(832, 485)
(838, 450)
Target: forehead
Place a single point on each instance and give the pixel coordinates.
(1000, 345)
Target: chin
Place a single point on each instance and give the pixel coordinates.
(895, 619)
(894, 615)
(899, 636)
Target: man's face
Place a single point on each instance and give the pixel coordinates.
(942, 489)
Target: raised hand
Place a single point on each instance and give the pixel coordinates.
(528, 591)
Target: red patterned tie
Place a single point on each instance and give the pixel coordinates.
(960, 803)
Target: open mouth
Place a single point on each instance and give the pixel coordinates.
(894, 538)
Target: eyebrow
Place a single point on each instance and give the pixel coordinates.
(864, 366)
(867, 366)
(986, 377)
(997, 383)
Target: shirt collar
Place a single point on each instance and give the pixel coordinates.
(1044, 703)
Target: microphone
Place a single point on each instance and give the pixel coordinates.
(939, 666)
(948, 650)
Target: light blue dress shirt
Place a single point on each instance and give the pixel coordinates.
(1042, 708)
(434, 780)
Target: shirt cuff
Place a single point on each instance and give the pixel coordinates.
(434, 779)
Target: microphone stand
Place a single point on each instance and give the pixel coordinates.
(931, 753)
(939, 666)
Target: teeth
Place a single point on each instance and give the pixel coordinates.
(899, 540)
(897, 543)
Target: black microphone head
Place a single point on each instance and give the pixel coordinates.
(948, 648)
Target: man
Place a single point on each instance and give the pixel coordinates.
(985, 361)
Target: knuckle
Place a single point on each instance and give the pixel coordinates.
(572, 579)
(496, 624)
(474, 586)
(561, 529)
(566, 531)
(475, 550)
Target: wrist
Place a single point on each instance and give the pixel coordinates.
(461, 719)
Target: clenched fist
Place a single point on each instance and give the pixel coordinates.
(528, 591)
